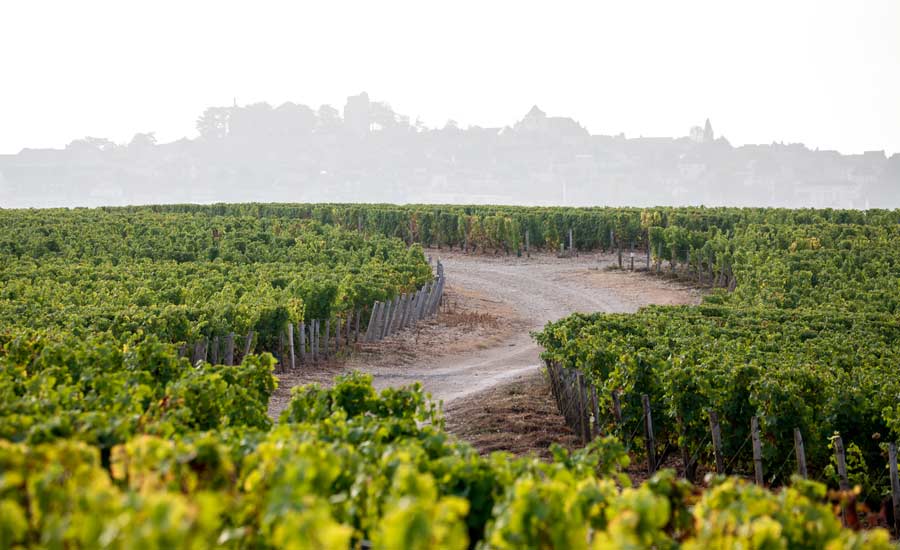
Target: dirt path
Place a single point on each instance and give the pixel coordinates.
(477, 355)
(524, 294)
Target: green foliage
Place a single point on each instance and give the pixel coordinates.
(809, 340)
(337, 480)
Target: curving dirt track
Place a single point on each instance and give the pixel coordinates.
(477, 355)
(525, 294)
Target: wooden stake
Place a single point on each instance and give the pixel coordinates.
(326, 350)
(247, 347)
(895, 486)
(595, 405)
(757, 451)
(617, 407)
(527, 244)
(229, 349)
(291, 340)
(717, 441)
(301, 330)
(314, 339)
(841, 463)
(801, 453)
(373, 317)
(648, 434)
(215, 351)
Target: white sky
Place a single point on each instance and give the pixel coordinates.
(826, 73)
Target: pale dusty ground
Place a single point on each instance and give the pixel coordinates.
(481, 337)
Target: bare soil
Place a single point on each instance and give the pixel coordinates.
(477, 355)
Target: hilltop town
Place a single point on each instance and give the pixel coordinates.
(369, 153)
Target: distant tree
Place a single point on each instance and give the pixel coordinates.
(214, 123)
(143, 141)
(329, 117)
(92, 145)
(255, 122)
(295, 120)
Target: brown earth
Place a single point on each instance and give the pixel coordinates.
(477, 355)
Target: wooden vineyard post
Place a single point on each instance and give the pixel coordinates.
(249, 344)
(717, 441)
(648, 434)
(595, 405)
(801, 453)
(326, 350)
(617, 407)
(385, 321)
(291, 340)
(631, 259)
(314, 339)
(229, 349)
(215, 351)
(571, 243)
(612, 240)
(844, 483)
(338, 325)
(372, 319)
(527, 244)
(301, 331)
(583, 415)
(356, 326)
(648, 254)
(757, 451)
(895, 486)
(586, 412)
(404, 303)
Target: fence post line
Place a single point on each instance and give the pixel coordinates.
(648, 432)
(717, 441)
(895, 485)
(801, 453)
(757, 451)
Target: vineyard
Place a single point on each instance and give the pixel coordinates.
(116, 433)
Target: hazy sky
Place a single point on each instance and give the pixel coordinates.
(826, 73)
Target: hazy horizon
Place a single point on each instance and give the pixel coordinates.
(825, 74)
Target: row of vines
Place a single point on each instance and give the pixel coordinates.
(111, 438)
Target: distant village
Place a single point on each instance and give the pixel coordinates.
(369, 153)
